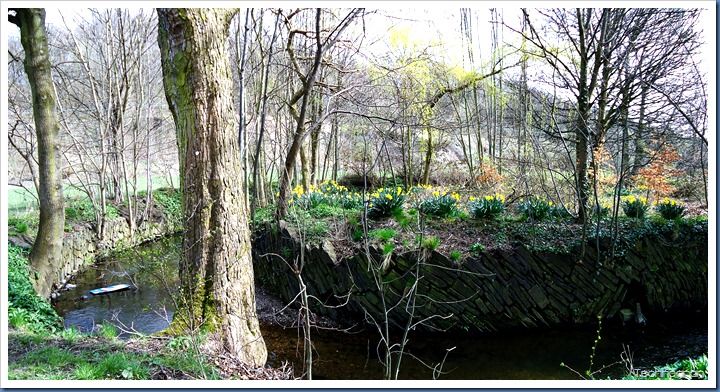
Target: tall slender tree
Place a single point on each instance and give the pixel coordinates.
(47, 249)
(216, 274)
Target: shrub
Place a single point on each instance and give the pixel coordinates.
(21, 227)
(440, 205)
(385, 201)
(634, 207)
(331, 188)
(107, 330)
(487, 207)
(535, 209)
(668, 208)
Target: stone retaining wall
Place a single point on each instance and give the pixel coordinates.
(496, 290)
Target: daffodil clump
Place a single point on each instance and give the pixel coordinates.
(329, 192)
(441, 203)
(536, 208)
(384, 201)
(487, 207)
(670, 208)
(634, 207)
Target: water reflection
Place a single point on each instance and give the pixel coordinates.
(147, 307)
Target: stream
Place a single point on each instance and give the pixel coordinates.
(147, 307)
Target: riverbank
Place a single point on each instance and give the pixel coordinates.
(70, 355)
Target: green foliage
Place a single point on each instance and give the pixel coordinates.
(634, 207)
(383, 234)
(25, 308)
(385, 201)
(455, 255)
(440, 205)
(107, 331)
(19, 225)
(48, 357)
(79, 210)
(603, 210)
(70, 335)
(310, 200)
(670, 208)
(388, 248)
(431, 243)
(264, 214)
(349, 201)
(487, 207)
(687, 369)
(357, 235)
(171, 201)
(111, 211)
(559, 212)
(535, 209)
(476, 248)
(325, 211)
(404, 218)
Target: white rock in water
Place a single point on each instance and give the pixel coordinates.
(70, 286)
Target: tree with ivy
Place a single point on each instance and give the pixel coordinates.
(216, 274)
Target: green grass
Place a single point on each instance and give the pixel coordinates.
(21, 201)
(51, 356)
(383, 234)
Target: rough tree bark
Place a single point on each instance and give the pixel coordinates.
(216, 273)
(46, 252)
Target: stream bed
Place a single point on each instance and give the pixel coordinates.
(147, 307)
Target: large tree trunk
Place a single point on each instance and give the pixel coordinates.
(216, 274)
(46, 252)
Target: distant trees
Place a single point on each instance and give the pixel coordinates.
(613, 58)
(47, 249)
(299, 102)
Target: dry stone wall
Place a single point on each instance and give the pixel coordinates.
(496, 290)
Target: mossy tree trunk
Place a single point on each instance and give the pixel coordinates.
(46, 252)
(216, 273)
